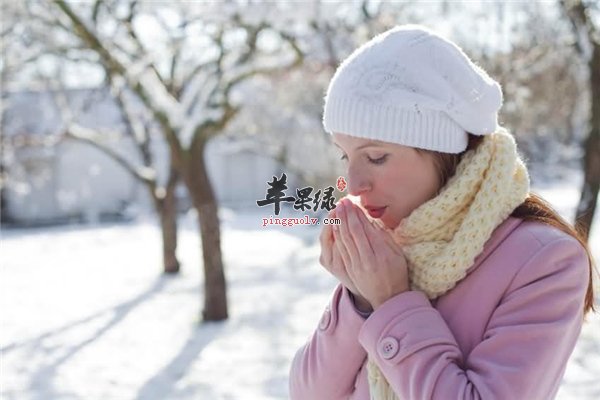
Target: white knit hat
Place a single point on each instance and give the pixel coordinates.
(413, 87)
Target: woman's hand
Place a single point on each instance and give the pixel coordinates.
(375, 263)
(332, 261)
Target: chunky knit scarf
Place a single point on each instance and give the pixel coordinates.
(442, 237)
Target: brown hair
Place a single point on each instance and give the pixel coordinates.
(534, 208)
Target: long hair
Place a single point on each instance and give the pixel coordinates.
(534, 208)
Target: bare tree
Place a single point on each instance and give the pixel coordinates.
(31, 33)
(142, 168)
(587, 42)
(190, 98)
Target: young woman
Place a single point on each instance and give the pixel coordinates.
(456, 282)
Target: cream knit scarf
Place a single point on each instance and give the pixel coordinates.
(442, 237)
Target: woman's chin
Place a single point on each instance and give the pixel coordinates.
(389, 222)
(381, 222)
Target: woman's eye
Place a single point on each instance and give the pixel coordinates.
(377, 161)
(344, 157)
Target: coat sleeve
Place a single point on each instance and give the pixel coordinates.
(326, 367)
(523, 352)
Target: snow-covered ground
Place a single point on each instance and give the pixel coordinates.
(85, 313)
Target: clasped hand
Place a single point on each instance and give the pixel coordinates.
(363, 257)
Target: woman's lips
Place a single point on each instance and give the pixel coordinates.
(376, 212)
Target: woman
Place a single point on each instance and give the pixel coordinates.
(455, 281)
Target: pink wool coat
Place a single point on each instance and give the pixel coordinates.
(506, 331)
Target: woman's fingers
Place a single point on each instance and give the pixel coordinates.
(341, 248)
(358, 230)
(372, 229)
(344, 232)
(339, 266)
(326, 239)
(326, 242)
(377, 233)
(368, 225)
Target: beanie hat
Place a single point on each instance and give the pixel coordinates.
(411, 86)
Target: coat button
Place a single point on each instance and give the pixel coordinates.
(388, 347)
(325, 320)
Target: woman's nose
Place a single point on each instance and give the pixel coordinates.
(358, 183)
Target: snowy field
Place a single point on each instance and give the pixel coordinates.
(85, 313)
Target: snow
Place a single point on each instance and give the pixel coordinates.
(86, 313)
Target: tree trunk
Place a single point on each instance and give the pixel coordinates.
(168, 224)
(205, 202)
(591, 160)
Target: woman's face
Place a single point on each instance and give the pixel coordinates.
(390, 179)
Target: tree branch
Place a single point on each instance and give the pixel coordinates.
(75, 131)
(298, 59)
(85, 135)
(114, 68)
(133, 125)
(96, 11)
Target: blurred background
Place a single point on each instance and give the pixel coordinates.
(137, 136)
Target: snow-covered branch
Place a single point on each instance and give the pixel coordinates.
(91, 137)
(145, 83)
(134, 121)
